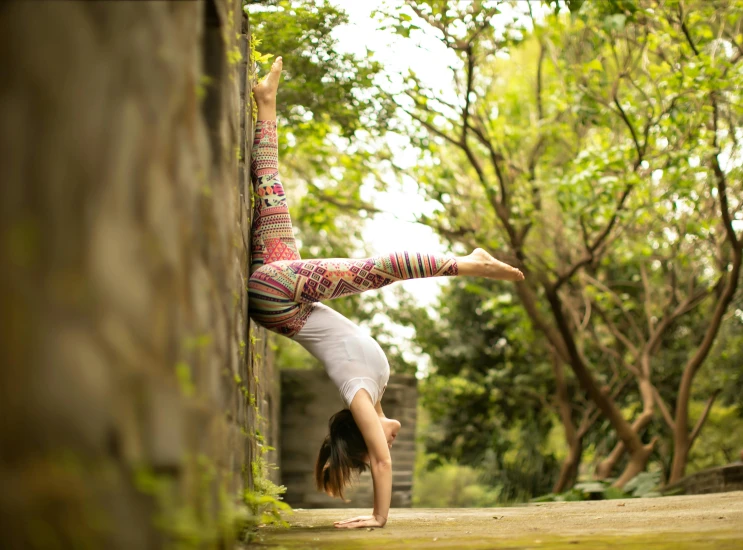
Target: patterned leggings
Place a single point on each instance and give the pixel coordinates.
(282, 286)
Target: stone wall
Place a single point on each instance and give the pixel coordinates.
(713, 480)
(308, 399)
(131, 381)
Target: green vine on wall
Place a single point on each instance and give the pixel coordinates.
(256, 58)
(263, 499)
(191, 523)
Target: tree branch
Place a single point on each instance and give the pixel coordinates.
(433, 128)
(589, 256)
(647, 301)
(628, 123)
(468, 91)
(721, 177)
(703, 417)
(630, 321)
(685, 29)
(683, 308)
(540, 106)
(663, 409)
(619, 336)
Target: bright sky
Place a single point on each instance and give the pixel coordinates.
(396, 230)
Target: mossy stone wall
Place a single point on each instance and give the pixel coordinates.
(132, 381)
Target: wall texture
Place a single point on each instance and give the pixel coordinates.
(131, 381)
(308, 399)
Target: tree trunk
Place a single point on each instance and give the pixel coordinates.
(637, 463)
(570, 466)
(606, 467)
(605, 403)
(682, 440)
(680, 457)
(569, 469)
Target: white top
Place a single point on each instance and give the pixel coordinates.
(352, 359)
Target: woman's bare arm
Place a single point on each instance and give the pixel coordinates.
(378, 408)
(367, 419)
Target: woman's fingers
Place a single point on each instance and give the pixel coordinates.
(358, 521)
(358, 518)
(341, 522)
(353, 525)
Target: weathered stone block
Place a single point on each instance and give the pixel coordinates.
(714, 480)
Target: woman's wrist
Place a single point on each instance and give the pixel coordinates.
(380, 518)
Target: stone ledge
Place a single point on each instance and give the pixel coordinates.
(714, 480)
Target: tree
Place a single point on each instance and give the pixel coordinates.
(602, 150)
(332, 116)
(485, 392)
(323, 90)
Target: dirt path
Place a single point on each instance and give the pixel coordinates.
(705, 522)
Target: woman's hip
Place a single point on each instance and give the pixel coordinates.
(276, 312)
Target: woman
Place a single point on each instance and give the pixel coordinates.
(285, 292)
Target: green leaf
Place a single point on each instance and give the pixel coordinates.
(593, 65)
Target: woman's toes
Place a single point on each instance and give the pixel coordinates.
(266, 89)
(277, 66)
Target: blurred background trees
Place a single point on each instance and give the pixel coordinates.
(596, 146)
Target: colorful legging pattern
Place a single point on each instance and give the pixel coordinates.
(282, 286)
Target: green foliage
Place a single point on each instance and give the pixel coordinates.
(262, 498)
(255, 60)
(185, 380)
(643, 485)
(585, 147)
(201, 88)
(725, 372)
(332, 116)
(721, 441)
(484, 391)
(321, 85)
(263, 501)
(183, 370)
(197, 342)
(614, 140)
(450, 485)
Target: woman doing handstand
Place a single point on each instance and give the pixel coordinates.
(285, 294)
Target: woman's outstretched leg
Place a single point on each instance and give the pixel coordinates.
(282, 286)
(272, 235)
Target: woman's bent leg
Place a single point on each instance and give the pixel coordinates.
(282, 293)
(281, 289)
(306, 281)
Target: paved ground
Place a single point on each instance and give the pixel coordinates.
(705, 522)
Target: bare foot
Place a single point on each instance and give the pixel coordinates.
(265, 90)
(482, 264)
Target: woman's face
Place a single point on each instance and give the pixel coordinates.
(390, 427)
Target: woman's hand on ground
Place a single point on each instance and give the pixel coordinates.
(361, 521)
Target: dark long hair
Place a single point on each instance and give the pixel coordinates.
(342, 455)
